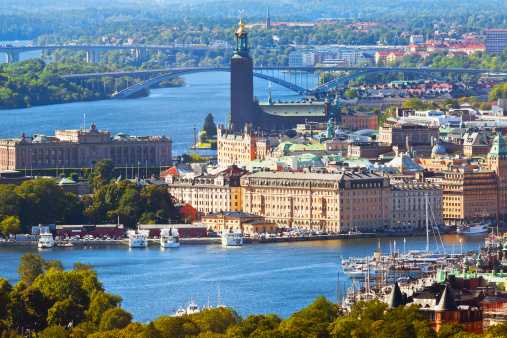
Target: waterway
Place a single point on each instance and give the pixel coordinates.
(172, 112)
(259, 278)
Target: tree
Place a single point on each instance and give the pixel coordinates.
(116, 318)
(53, 332)
(209, 126)
(10, 225)
(103, 172)
(30, 267)
(5, 289)
(65, 312)
(10, 203)
(256, 326)
(215, 320)
(312, 321)
(99, 304)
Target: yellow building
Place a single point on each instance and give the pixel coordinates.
(245, 223)
(319, 202)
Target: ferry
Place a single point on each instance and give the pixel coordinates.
(138, 239)
(169, 238)
(232, 239)
(46, 240)
(473, 229)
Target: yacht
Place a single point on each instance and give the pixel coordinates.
(169, 238)
(473, 229)
(46, 240)
(138, 239)
(232, 239)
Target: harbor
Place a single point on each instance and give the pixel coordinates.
(258, 278)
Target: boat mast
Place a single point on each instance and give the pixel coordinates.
(427, 223)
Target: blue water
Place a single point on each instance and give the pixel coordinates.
(262, 278)
(172, 112)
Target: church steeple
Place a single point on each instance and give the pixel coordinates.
(241, 39)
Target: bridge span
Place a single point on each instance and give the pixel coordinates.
(93, 50)
(274, 74)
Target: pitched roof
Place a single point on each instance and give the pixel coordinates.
(446, 302)
(395, 298)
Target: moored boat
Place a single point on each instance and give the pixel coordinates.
(232, 239)
(138, 239)
(169, 238)
(46, 240)
(473, 229)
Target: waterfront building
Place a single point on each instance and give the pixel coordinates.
(266, 116)
(469, 195)
(496, 161)
(496, 40)
(209, 193)
(82, 149)
(233, 221)
(410, 199)
(319, 201)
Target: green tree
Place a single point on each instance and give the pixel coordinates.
(10, 225)
(312, 321)
(5, 289)
(53, 332)
(103, 172)
(256, 326)
(116, 318)
(100, 303)
(30, 267)
(65, 312)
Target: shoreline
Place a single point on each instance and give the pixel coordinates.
(217, 240)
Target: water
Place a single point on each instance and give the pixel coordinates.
(262, 278)
(172, 112)
(23, 56)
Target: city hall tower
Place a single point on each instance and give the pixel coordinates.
(242, 95)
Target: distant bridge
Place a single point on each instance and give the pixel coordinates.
(279, 75)
(93, 50)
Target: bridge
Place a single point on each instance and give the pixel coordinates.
(284, 76)
(93, 50)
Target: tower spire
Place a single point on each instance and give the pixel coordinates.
(268, 19)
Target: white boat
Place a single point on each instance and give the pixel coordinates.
(46, 240)
(169, 238)
(190, 309)
(232, 239)
(138, 239)
(473, 229)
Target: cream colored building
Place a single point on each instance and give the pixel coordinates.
(209, 193)
(82, 149)
(240, 149)
(320, 202)
(409, 205)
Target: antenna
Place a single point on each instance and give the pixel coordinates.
(84, 121)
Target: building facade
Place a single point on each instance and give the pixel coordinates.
(245, 223)
(209, 193)
(82, 149)
(496, 40)
(405, 134)
(412, 202)
(319, 202)
(237, 148)
(469, 195)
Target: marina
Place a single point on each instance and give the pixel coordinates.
(269, 278)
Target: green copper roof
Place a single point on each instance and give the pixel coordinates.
(498, 148)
